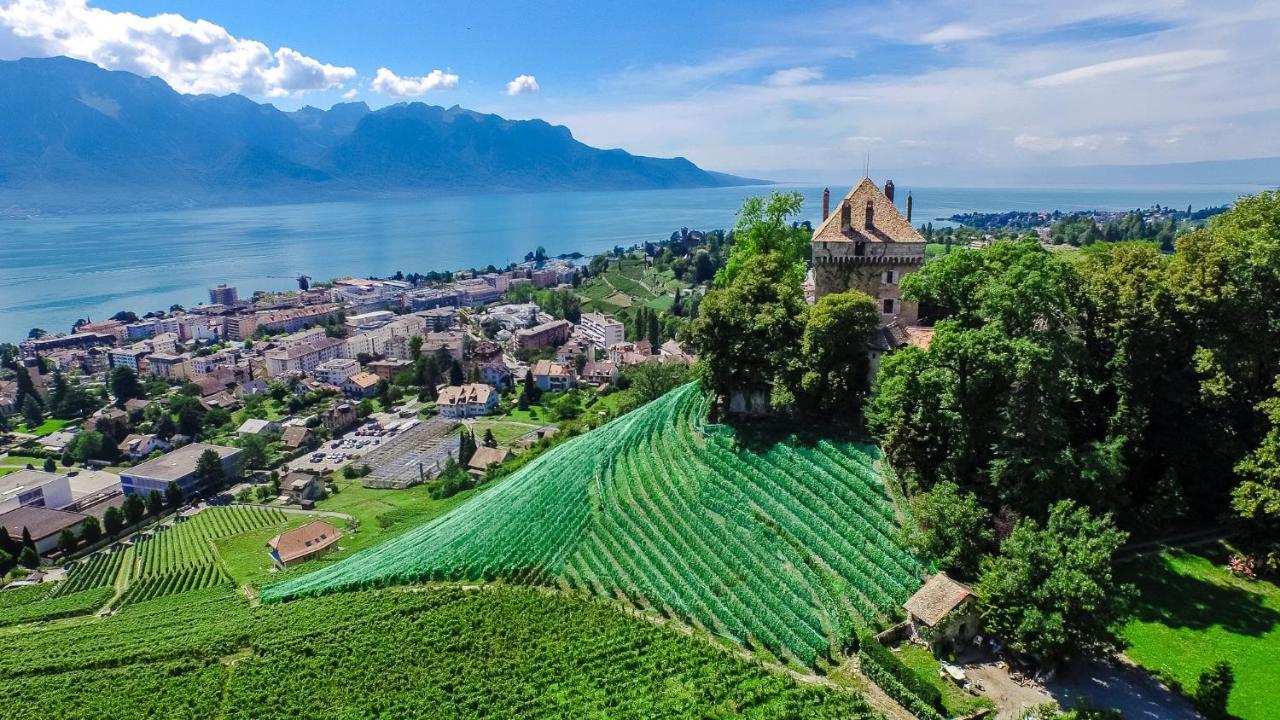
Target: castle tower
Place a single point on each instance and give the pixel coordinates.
(867, 245)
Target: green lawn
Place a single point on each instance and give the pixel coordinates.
(382, 513)
(924, 664)
(1192, 613)
(48, 427)
(245, 555)
(503, 431)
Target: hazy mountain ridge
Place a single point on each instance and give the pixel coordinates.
(72, 129)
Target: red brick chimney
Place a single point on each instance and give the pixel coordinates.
(888, 189)
(826, 203)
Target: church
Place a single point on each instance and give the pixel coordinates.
(866, 244)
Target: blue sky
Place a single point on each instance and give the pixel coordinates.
(751, 87)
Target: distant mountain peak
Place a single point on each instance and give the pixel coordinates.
(75, 131)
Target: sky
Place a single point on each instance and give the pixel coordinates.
(779, 90)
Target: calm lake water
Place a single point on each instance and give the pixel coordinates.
(54, 270)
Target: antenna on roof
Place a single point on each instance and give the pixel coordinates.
(866, 165)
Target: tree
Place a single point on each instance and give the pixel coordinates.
(28, 558)
(531, 393)
(113, 521)
(134, 509)
(455, 373)
(90, 530)
(748, 331)
(364, 408)
(67, 542)
(1051, 591)
(7, 562)
(86, 445)
(155, 502)
(173, 495)
(209, 469)
(466, 445)
(833, 363)
(27, 542)
(8, 544)
(489, 439)
(32, 414)
(953, 529)
(1214, 690)
(764, 229)
(50, 465)
(651, 380)
(653, 331)
(254, 451)
(415, 347)
(125, 385)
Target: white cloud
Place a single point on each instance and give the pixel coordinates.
(953, 33)
(407, 86)
(193, 56)
(523, 85)
(1037, 143)
(350, 94)
(791, 77)
(1157, 62)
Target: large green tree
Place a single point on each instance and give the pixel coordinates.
(765, 228)
(747, 332)
(125, 385)
(833, 362)
(953, 528)
(1051, 591)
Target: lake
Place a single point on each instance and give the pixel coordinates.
(56, 269)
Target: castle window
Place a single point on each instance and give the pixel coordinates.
(859, 248)
(888, 306)
(870, 215)
(890, 276)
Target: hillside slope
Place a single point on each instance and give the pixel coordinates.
(428, 653)
(788, 548)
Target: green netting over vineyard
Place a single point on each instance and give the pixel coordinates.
(791, 548)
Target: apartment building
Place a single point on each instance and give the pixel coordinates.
(602, 330)
(302, 357)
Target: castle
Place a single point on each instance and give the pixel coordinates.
(867, 245)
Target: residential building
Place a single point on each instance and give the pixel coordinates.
(432, 299)
(136, 447)
(140, 330)
(387, 369)
(164, 343)
(296, 436)
(223, 295)
(302, 544)
(552, 376)
(361, 385)
(130, 357)
(49, 343)
(600, 372)
(45, 525)
(339, 417)
(34, 487)
(258, 426)
(486, 456)
(943, 615)
(302, 358)
(243, 327)
(475, 292)
(299, 486)
(453, 342)
(336, 371)
(471, 400)
(377, 341)
(169, 367)
(549, 334)
(178, 466)
(438, 319)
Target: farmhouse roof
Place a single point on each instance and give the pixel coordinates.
(937, 597)
(295, 435)
(306, 540)
(887, 224)
(41, 522)
(485, 456)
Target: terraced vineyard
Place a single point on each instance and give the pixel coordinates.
(439, 652)
(182, 558)
(99, 571)
(790, 548)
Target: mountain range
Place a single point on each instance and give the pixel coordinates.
(75, 134)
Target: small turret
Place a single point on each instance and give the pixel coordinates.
(908, 206)
(888, 189)
(826, 203)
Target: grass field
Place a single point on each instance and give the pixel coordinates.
(925, 665)
(629, 283)
(48, 427)
(785, 547)
(1192, 613)
(434, 652)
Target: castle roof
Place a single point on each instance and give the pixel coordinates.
(887, 225)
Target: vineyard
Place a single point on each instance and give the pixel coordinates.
(182, 558)
(99, 571)
(439, 652)
(790, 548)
